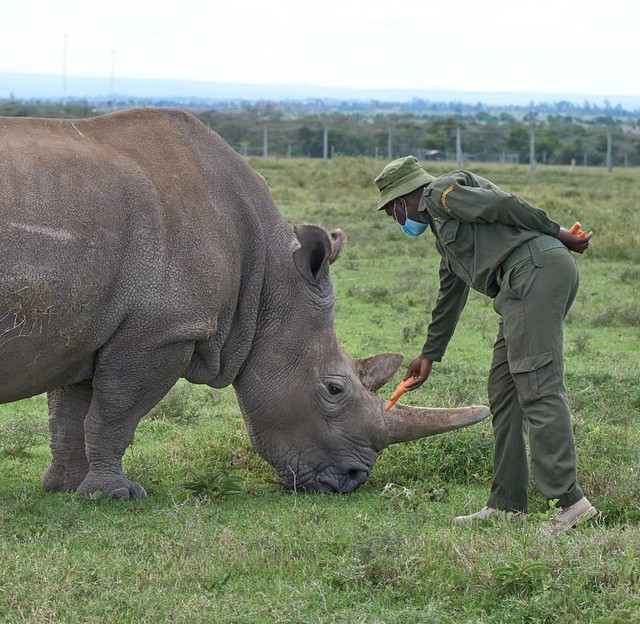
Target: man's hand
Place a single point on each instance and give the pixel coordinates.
(573, 241)
(419, 369)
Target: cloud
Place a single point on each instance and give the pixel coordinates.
(546, 46)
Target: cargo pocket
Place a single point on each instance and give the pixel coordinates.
(534, 376)
(457, 239)
(456, 235)
(448, 230)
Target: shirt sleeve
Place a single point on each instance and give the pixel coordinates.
(451, 300)
(469, 198)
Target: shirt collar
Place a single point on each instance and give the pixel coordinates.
(422, 206)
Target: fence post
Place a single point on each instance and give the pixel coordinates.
(265, 142)
(325, 143)
(532, 150)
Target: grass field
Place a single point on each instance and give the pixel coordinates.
(388, 553)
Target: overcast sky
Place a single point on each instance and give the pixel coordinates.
(559, 46)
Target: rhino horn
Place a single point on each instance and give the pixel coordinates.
(403, 423)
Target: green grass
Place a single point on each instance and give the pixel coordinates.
(389, 552)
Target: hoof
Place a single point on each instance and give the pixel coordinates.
(111, 487)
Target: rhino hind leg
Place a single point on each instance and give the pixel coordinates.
(68, 407)
(125, 387)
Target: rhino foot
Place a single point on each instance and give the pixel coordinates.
(111, 487)
(65, 476)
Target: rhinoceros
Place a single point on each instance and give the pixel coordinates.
(138, 248)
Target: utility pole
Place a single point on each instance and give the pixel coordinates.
(390, 144)
(265, 142)
(64, 70)
(609, 165)
(113, 71)
(458, 148)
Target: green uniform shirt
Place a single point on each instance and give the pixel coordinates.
(476, 225)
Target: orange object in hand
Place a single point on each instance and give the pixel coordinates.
(398, 392)
(575, 229)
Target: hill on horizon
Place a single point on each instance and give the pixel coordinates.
(48, 86)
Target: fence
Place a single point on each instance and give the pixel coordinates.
(298, 138)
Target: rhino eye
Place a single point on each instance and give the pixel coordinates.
(334, 388)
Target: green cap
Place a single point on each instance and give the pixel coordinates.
(399, 177)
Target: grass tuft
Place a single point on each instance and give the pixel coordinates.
(22, 431)
(213, 484)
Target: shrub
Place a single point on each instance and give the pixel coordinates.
(20, 433)
(215, 484)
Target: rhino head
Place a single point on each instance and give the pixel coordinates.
(310, 409)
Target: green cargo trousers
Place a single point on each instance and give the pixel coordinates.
(526, 386)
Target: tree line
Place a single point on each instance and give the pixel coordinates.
(275, 130)
(559, 139)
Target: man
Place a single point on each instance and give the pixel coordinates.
(503, 247)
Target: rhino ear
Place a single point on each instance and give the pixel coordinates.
(338, 239)
(377, 370)
(313, 256)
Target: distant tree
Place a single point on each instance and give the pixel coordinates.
(518, 140)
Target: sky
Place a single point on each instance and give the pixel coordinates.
(560, 46)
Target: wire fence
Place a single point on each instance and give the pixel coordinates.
(320, 144)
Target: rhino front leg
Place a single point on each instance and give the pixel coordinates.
(68, 407)
(125, 388)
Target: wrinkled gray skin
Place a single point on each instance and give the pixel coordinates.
(138, 248)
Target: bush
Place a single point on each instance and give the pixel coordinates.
(20, 433)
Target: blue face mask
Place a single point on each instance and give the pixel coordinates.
(409, 227)
(412, 228)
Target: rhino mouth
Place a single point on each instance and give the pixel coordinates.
(349, 482)
(328, 481)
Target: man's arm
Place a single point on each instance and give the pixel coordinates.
(472, 199)
(451, 300)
